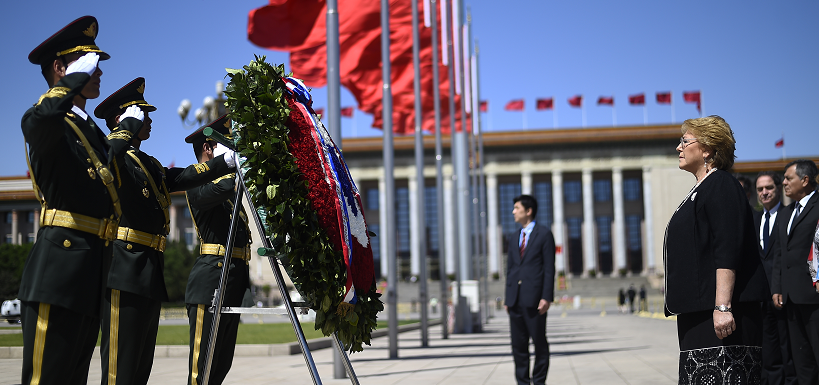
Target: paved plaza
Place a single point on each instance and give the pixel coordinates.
(586, 348)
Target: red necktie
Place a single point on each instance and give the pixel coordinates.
(522, 245)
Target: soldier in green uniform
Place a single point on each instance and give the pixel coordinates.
(63, 277)
(136, 283)
(211, 207)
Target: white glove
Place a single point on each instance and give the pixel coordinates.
(133, 112)
(230, 159)
(87, 64)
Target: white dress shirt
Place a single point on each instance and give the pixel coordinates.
(802, 202)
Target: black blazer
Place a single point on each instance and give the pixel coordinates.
(712, 229)
(767, 256)
(790, 276)
(531, 278)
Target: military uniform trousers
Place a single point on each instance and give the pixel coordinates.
(129, 326)
(57, 344)
(201, 321)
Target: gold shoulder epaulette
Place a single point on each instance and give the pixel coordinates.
(55, 92)
(223, 177)
(201, 167)
(120, 134)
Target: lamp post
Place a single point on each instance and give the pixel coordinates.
(212, 108)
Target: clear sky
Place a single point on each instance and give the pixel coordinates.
(755, 62)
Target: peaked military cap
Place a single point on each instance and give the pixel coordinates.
(129, 95)
(77, 36)
(221, 125)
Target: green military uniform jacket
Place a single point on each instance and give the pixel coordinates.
(65, 266)
(211, 208)
(137, 268)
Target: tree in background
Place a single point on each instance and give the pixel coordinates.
(178, 263)
(12, 261)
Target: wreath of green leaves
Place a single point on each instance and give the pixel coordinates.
(257, 105)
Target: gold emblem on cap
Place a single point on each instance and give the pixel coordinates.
(141, 88)
(91, 173)
(91, 31)
(227, 124)
(145, 192)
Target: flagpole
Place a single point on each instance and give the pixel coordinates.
(419, 176)
(334, 121)
(473, 147)
(439, 171)
(554, 113)
(645, 112)
(388, 229)
(583, 111)
(671, 102)
(464, 266)
(455, 158)
(613, 115)
(484, 255)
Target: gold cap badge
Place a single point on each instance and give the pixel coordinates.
(141, 88)
(91, 31)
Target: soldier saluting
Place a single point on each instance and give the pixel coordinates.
(63, 276)
(136, 284)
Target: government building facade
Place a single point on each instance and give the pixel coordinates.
(606, 193)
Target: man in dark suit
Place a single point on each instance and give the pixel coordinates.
(777, 361)
(530, 285)
(792, 285)
(63, 277)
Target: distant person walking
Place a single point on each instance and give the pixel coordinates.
(621, 301)
(631, 294)
(530, 283)
(643, 303)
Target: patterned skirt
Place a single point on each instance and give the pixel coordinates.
(707, 360)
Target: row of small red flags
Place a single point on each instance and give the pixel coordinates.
(577, 101)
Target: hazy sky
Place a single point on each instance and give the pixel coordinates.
(755, 62)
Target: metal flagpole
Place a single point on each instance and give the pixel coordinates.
(671, 102)
(702, 105)
(455, 160)
(473, 149)
(613, 115)
(439, 172)
(583, 111)
(334, 119)
(465, 254)
(389, 182)
(645, 113)
(419, 175)
(484, 255)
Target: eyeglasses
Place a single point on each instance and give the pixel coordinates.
(684, 142)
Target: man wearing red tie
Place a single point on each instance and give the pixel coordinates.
(530, 277)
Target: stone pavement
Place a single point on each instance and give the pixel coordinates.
(586, 349)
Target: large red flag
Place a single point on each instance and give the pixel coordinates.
(514, 105)
(607, 100)
(545, 104)
(484, 107)
(664, 98)
(347, 112)
(637, 100)
(576, 101)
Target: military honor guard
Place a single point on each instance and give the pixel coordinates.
(211, 207)
(136, 284)
(68, 154)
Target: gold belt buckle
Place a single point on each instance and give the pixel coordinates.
(105, 174)
(111, 230)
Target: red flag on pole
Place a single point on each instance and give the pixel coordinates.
(484, 106)
(664, 98)
(780, 143)
(319, 111)
(514, 105)
(637, 100)
(347, 112)
(576, 101)
(693, 97)
(607, 100)
(545, 104)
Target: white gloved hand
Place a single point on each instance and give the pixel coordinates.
(230, 160)
(87, 64)
(133, 112)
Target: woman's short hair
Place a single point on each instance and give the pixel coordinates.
(714, 132)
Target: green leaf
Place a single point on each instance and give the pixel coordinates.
(271, 191)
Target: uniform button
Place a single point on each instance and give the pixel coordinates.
(67, 243)
(219, 264)
(129, 247)
(519, 282)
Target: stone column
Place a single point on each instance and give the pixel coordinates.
(492, 231)
(589, 252)
(415, 226)
(15, 239)
(36, 223)
(559, 222)
(173, 234)
(619, 218)
(525, 178)
(648, 212)
(384, 238)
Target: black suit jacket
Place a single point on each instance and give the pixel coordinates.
(531, 278)
(790, 276)
(767, 256)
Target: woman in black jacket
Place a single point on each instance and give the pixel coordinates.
(714, 277)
